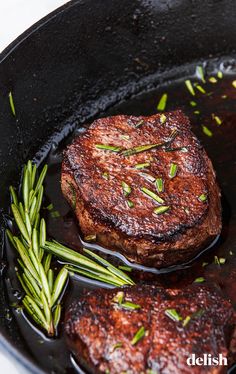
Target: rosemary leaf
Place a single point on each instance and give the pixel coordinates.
(46, 309)
(200, 73)
(41, 179)
(12, 105)
(20, 222)
(45, 285)
(129, 305)
(25, 258)
(151, 194)
(95, 275)
(173, 170)
(57, 316)
(141, 148)
(50, 276)
(162, 103)
(161, 209)
(13, 195)
(142, 166)
(190, 87)
(173, 314)
(159, 185)
(126, 188)
(35, 244)
(138, 336)
(130, 203)
(25, 188)
(59, 284)
(34, 311)
(107, 147)
(207, 131)
(47, 262)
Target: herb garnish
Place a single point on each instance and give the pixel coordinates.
(126, 188)
(200, 88)
(199, 280)
(173, 314)
(130, 203)
(140, 148)
(148, 177)
(207, 131)
(142, 166)
(138, 336)
(220, 74)
(119, 299)
(212, 80)
(116, 346)
(234, 84)
(107, 147)
(90, 238)
(190, 87)
(162, 119)
(186, 321)
(200, 73)
(161, 209)
(202, 197)
(193, 103)
(12, 105)
(173, 170)
(125, 268)
(217, 119)
(159, 185)
(152, 194)
(162, 103)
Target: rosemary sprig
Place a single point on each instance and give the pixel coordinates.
(12, 105)
(42, 292)
(98, 268)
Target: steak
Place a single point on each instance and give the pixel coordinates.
(101, 329)
(144, 186)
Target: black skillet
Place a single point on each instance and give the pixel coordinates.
(80, 61)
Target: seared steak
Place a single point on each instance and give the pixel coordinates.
(173, 324)
(145, 186)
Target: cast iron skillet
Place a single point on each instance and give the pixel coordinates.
(78, 62)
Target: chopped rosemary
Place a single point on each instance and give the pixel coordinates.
(162, 118)
(220, 74)
(196, 112)
(148, 177)
(12, 105)
(200, 73)
(222, 260)
(234, 84)
(190, 87)
(119, 297)
(107, 147)
(129, 305)
(124, 137)
(217, 119)
(140, 148)
(152, 194)
(130, 203)
(204, 264)
(90, 238)
(159, 185)
(142, 166)
(186, 321)
(199, 280)
(224, 96)
(212, 80)
(106, 175)
(162, 103)
(138, 336)
(173, 314)
(202, 197)
(193, 103)
(126, 188)
(173, 170)
(207, 131)
(200, 88)
(161, 209)
(116, 346)
(140, 123)
(55, 214)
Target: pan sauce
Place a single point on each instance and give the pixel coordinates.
(52, 354)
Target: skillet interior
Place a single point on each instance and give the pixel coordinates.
(89, 55)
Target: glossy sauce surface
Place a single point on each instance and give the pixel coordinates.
(219, 100)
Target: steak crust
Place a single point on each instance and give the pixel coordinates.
(92, 180)
(99, 331)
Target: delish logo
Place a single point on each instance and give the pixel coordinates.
(207, 360)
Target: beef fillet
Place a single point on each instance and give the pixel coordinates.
(173, 324)
(144, 186)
